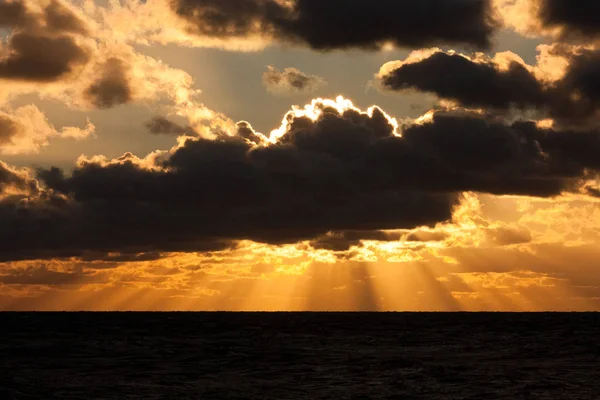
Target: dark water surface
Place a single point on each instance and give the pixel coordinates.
(299, 356)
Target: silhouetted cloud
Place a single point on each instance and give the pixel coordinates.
(45, 276)
(114, 258)
(162, 126)
(113, 87)
(8, 129)
(339, 24)
(426, 236)
(14, 13)
(578, 19)
(576, 96)
(473, 84)
(572, 100)
(41, 47)
(506, 236)
(566, 152)
(60, 18)
(55, 18)
(343, 241)
(19, 181)
(290, 80)
(343, 171)
(41, 58)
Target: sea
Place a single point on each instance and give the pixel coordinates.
(479, 356)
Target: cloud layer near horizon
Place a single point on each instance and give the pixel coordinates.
(337, 169)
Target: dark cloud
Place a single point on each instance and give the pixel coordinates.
(574, 100)
(452, 76)
(162, 126)
(8, 129)
(54, 227)
(343, 241)
(567, 152)
(44, 276)
(290, 80)
(9, 177)
(470, 153)
(14, 14)
(211, 192)
(343, 172)
(339, 24)
(55, 18)
(245, 130)
(61, 19)
(579, 19)
(504, 158)
(41, 47)
(113, 87)
(426, 236)
(113, 258)
(41, 58)
(576, 97)
(592, 191)
(506, 236)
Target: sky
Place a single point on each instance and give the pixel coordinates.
(300, 155)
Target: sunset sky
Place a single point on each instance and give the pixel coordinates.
(300, 155)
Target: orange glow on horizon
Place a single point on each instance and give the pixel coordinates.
(464, 269)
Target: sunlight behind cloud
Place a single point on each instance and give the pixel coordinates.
(315, 109)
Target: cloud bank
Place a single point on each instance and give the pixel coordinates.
(341, 24)
(568, 94)
(330, 167)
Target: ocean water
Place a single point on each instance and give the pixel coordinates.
(299, 356)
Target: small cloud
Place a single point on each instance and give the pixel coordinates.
(112, 88)
(507, 236)
(162, 126)
(291, 80)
